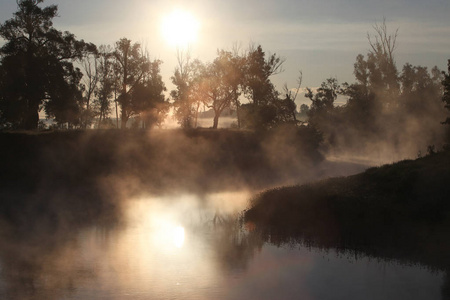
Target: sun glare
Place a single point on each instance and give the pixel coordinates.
(178, 236)
(180, 28)
(167, 235)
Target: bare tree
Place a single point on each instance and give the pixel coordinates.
(383, 43)
(106, 84)
(291, 97)
(90, 64)
(383, 73)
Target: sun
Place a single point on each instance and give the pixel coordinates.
(180, 28)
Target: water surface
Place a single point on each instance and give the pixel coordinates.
(188, 246)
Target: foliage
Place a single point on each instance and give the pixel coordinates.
(304, 111)
(383, 74)
(219, 85)
(89, 86)
(258, 87)
(147, 98)
(264, 109)
(185, 77)
(418, 84)
(385, 110)
(446, 95)
(258, 117)
(323, 101)
(130, 65)
(37, 67)
(37, 73)
(106, 85)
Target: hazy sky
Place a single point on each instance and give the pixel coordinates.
(322, 37)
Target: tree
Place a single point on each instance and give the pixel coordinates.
(258, 69)
(185, 96)
(219, 84)
(303, 114)
(90, 80)
(65, 99)
(446, 95)
(235, 63)
(377, 81)
(322, 105)
(2, 97)
(383, 74)
(286, 108)
(323, 115)
(106, 84)
(37, 66)
(261, 111)
(377, 87)
(421, 91)
(130, 68)
(147, 98)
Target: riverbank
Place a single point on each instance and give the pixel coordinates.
(399, 211)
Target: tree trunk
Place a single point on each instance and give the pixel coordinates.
(238, 117)
(236, 101)
(123, 120)
(216, 121)
(117, 115)
(100, 120)
(31, 119)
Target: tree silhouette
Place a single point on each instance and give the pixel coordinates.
(219, 86)
(147, 98)
(185, 96)
(106, 84)
(90, 80)
(304, 110)
(130, 67)
(261, 111)
(258, 69)
(446, 96)
(323, 101)
(421, 91)
(383, 74)
(286, 108)
(37, 67)
(385, 110)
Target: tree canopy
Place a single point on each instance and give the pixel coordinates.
(446, 96)
(37, 67)
(386, 111)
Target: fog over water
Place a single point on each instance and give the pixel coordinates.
(188, 246)
(152, 215)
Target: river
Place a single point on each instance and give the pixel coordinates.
(193, 246)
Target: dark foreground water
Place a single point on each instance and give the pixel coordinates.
(192, 247)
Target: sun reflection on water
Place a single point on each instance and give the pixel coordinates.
(192, 247)
(178, 236)
(168, 245)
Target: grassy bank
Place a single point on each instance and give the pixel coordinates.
(399, 211)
